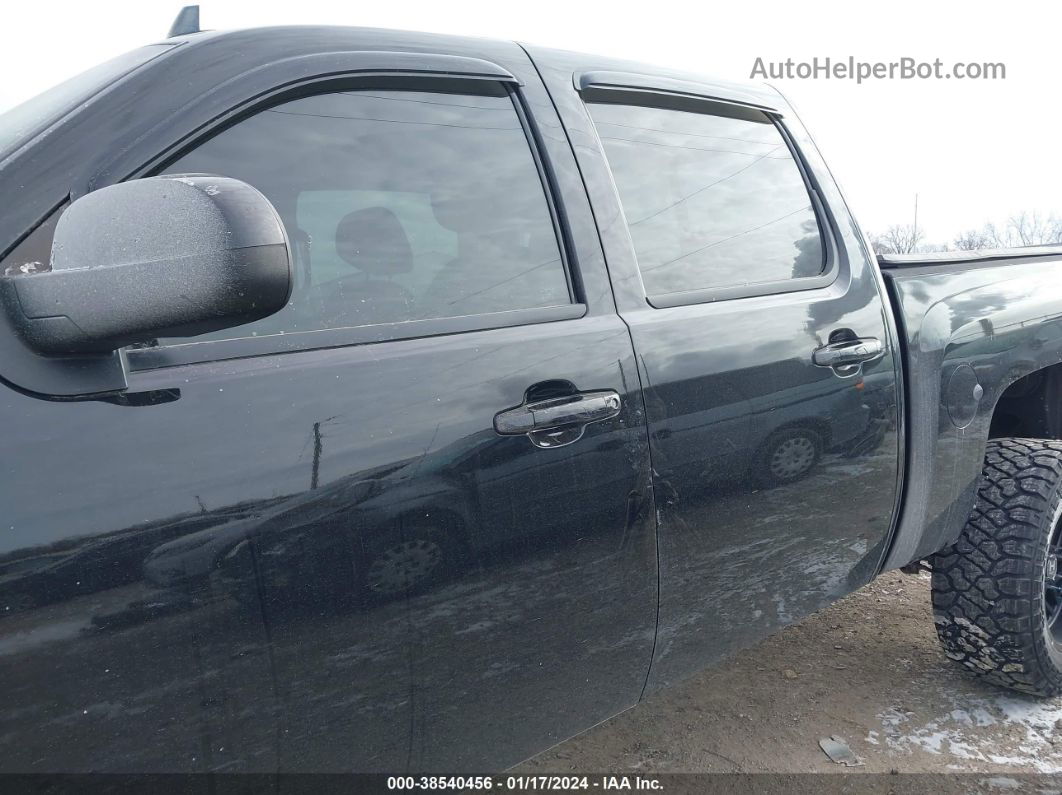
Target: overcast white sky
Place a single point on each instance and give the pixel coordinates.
(974, 151)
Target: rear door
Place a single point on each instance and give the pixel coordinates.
(764, 348)
(405, 523)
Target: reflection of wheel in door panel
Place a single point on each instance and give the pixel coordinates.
(408, 561)
(788, 455)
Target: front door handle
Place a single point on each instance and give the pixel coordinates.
(558, 421)
(848, 354)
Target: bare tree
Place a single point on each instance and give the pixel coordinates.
(974, 239)
(897, 239)
(1027, 228)
(996, 238)
(1032, 229)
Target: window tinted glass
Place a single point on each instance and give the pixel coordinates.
(400, 206)
(711, 200)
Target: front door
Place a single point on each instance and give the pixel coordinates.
(405, 523)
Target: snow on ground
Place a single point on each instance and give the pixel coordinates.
(1025, 733)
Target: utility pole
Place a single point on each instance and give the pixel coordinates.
(316, 455)
(318, 447)
(914, 234)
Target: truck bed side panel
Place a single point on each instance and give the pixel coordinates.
(971, 329)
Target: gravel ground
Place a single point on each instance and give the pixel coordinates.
(868, 670)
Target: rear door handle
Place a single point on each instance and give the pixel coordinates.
(848, 353)
(558, 421)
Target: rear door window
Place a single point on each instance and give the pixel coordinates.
(712, 200)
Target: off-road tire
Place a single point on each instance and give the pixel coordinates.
(989, 600)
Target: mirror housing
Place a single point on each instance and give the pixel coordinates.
(170, 256)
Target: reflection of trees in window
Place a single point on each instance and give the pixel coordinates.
(712, 200)
(808, 261)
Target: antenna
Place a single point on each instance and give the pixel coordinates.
(187, 22)
(914, 234)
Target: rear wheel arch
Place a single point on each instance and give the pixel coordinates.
(1030, 406)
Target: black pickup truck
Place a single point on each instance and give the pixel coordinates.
(378, 401)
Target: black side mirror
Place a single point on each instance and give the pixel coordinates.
(171, 256)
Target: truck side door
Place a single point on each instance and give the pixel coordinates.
(740, 275)
(404, 523)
